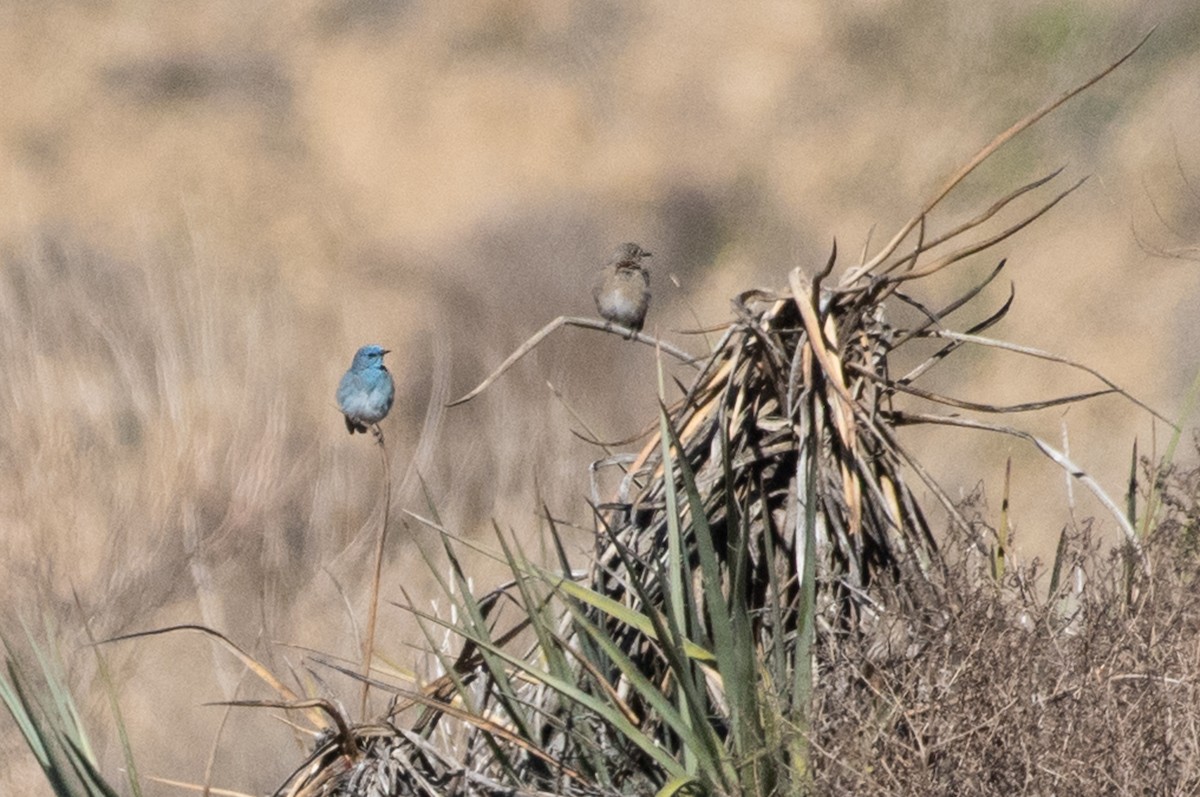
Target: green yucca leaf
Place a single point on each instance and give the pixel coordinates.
(671, 643)
(445, 661)
(49, 663)
(751, 736)
(570, 691)
(690, 735)
(550, 645)
(19, 709)
(473, 615)
(802, 684)
(678, 581)
(474, 620)
(1131, 493)
(1060, 556)
(110, 689)
(55, 736)
(675, 786)
(624, 614)
(86, 771)
(587, 650)
(735, 651)
(691, 682)
(534, 608)
(43, 739)
(778, 659)
(452, 671)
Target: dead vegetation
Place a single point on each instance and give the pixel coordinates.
(1024, 692)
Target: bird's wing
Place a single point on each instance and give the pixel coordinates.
(351, 383)
(600, 282)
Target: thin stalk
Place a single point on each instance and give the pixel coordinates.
(586, 323)
(369, 639)
(1000, 549)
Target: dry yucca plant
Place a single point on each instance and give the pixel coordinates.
(773, 510)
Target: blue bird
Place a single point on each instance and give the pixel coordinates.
(366, 392)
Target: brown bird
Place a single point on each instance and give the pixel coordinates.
(622, 288)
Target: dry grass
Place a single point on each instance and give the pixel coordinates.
(1022, 692)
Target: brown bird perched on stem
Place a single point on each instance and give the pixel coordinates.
(622, 288)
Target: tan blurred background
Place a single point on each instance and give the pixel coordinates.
(208, 207)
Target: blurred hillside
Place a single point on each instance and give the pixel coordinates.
(210, 206)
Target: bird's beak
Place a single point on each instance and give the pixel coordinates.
(387, 351)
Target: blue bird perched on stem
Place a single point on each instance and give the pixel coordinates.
(366, 391)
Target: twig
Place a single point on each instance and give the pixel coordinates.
(245, 658)
(935, 317)
(1058, 457)
(344, 737)
(963, 404)
(1054, 358)
(587, 323)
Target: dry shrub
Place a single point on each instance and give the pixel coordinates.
(1021, 692)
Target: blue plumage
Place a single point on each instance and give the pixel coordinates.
(366, 392)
